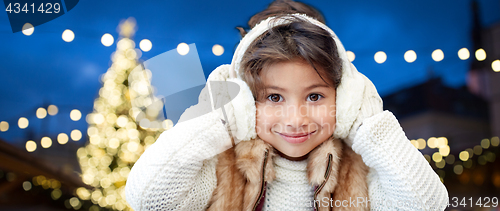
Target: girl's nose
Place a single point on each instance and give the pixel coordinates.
(296, 116)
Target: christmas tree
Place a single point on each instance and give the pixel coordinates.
(125, 121)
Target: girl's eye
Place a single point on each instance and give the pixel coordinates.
(314, 97)
(275, 98)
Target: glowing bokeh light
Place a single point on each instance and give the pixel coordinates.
(458, 169)
(380, 57)
(441, 164)
(464, 156)
(432, 142)
(421, 143)
(122, 121)
(56, 194)
(23, 122)
(351, 56)
(437, 157)
(83, 193)
(495, 141)
(437, 55)
(167, 124)
(107, 39)
(485, 143)
(444, 150)
(414, 143)
(98, 119)
(495, 65)
(463, 54)
(410, 56)
(68, 35)
(52, 110)
(30, 146)
(46, 142)
(183, 49)
(4, 126)
(76, 135)
(28, 29)
(441, 141)
(62, 138)
(217, 50)
(26, 185)
(74, 202)
(145, 45)
(480, 54)
(41, 113)
(75, 115)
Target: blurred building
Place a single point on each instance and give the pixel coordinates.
(29, 182)
(482, 80)
(434, 110)
(468, 117)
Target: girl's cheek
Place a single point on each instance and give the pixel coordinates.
(265, 118)
(263, 115)
(260, 109)
(264, 111)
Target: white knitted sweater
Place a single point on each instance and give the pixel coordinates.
(290, 190)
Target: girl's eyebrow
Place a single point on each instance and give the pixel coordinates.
(316, 86)
(307, 88)
(274, 87)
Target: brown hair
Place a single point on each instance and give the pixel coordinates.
(296, 40)
(281, 7)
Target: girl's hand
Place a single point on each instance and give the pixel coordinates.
(232, 99)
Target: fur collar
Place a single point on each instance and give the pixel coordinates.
(243, 170)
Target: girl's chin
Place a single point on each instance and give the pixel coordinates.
(293, 157)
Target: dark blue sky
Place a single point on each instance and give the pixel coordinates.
(43, 69)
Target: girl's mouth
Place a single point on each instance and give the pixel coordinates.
(296, 138)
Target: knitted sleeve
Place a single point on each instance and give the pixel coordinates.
(400, 178)
(177, 172)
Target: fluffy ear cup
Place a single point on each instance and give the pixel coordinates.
(240, 109)
(371, 104)
(244, 112)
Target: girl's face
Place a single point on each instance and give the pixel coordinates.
(298, 112)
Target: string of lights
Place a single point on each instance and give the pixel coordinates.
(380, 57)
(42, 113)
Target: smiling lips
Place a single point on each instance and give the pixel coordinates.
(296, 138)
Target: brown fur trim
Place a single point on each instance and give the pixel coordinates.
(239, 174)
(318, 161)
(352, 178)
(317, 167)
(228, 195)
(250, 158)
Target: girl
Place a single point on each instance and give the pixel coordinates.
(305, 132)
